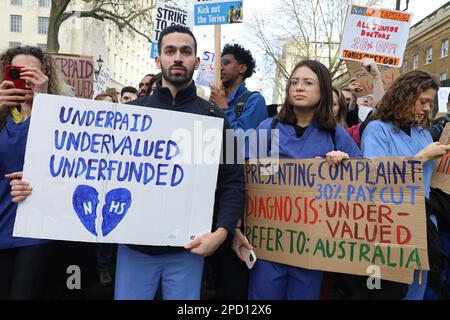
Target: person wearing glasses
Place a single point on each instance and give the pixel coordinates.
(306, 126)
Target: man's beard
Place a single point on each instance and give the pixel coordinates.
(179, 79)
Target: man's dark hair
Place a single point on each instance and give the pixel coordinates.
(173, 29)
(128, 89)
(242, 56)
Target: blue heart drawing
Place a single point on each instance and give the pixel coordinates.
(85, 201)
(116, 206)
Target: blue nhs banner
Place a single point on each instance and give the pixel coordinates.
(218, 12)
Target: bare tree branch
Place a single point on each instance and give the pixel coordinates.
(308, 29)
(125, 14)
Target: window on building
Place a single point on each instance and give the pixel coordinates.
(16, 2)
(443, 76)
(16, 23)
(42, 25)
(429, 55)
(14, 44)
(44, 3)
(42, 46)
(444, 49)
(416, 62)
(405, 66)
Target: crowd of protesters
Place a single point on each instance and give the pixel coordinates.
(315, 120)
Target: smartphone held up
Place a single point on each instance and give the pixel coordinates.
(12, 73)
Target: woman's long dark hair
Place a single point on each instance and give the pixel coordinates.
(323, 113)
(341, 116)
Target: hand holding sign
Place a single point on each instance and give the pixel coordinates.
(371, 67)
(218, 96)
(433, 151)
(116, 154)
(20, 189)
(440, 179)
(355, 86)
(336, 157)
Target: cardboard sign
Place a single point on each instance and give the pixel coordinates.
(205, 73)
(218, 12)
(375, 33)
(441, 175)
(102, 81)
(105, 172)
(443, 95)
(168, 15)
(342, 219)
(78, 71)
(362, 76)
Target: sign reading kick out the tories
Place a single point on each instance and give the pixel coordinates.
(346, 218)
(118, 173)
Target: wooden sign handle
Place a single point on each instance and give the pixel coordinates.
(217, 54)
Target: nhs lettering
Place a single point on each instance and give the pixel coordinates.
(359, 10)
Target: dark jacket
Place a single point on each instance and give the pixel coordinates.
(230, 195)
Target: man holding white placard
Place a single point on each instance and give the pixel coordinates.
(140, 268)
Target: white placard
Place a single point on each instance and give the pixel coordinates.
(205, 73)
(443, 98)
(105, 172)
(102, 82)
(363, 112)
(168, 14)
(375, 33)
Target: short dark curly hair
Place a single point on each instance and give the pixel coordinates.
(242, 56)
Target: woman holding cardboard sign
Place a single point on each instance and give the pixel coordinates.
(22, 260)
(307, 128)
(396, 130)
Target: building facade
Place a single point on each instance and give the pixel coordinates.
(24, 22)
(428, 45)
(125, 54)
(293, 52)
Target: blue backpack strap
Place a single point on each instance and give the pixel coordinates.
(240, 105)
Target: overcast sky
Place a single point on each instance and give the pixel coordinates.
(234, 33)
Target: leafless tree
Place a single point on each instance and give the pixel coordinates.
(302, 29)
(135, 16)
